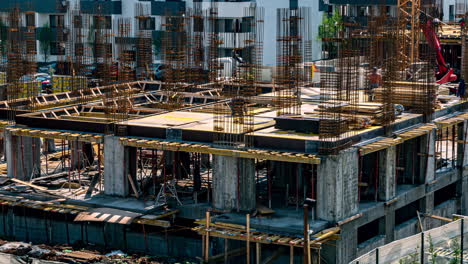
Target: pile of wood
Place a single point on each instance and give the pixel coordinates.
(409, 94)
(356, 113)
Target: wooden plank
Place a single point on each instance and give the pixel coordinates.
(29, 184)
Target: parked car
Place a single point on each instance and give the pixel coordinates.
(46, 67)
(44, 78)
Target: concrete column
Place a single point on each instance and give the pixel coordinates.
(463, 162)
(462, 186)
(337, 186)
(427, 149)
(116, 167)
(233, 183)
(23, 156)
(389, 224)
(387, 184)
(49, 145)
(346, 246)
(428, 207)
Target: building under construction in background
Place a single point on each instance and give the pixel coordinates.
(197, 155)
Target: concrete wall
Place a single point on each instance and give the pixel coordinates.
(337, 181)
(233, 183)
(44, 227)
(116, 160)
(23, 156)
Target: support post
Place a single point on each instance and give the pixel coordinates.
(337, 195)
(248, 237)
(306, 234)
(207, 238)
(23, 156)
(233, 183)
(387, 175)
(118, 164)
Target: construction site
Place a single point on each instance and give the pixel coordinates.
(204, 158)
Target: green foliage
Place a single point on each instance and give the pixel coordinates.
(331, 26)
(456, 248)
(411, 258)
(45, 40)
(432, 252)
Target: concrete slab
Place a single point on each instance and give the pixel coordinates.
(284, 221)
(127, 204)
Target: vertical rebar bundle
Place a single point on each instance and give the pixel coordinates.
(241, 73)
(14, 58)
(293, 49)
(383, 54)
(339, 93)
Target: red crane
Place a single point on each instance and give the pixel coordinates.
(444, 74)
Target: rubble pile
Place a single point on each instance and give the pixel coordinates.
(26, 253)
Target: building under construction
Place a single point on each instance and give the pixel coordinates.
(204, 158)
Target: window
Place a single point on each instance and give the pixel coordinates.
(406, 212)
(77, 22)
(102, 22)
(198, 24)
(56, 21)
(409, 168)
(57, 48)
(447, 147)
(146, 23)
(445, 194)
(370, 230)
(451, 13)
(79, 49)
(31, 20)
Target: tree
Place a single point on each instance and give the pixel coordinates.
(45, 40)
(331, 26)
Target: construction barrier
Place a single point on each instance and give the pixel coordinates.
(66, 83)
(445, 244)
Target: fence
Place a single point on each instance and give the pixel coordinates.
(445, 244)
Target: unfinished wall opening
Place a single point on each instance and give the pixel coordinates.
(71, 166)
(446, 147)
(371, 230)
(445, 194)
(285, 184)
(184, 176)
(409, 162)
(407, 212)
(368, 177)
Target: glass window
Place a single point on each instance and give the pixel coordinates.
(31, 20)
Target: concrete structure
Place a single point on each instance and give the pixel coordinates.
(234, 183)
(23, 156)
(371, 190)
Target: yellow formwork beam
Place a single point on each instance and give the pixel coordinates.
(452, 120)
(206, 149)
(380, 145)
(38, 133)
(417, 132)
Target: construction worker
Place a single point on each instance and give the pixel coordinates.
(375, 81)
